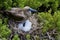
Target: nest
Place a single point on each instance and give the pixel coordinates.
(35, 33)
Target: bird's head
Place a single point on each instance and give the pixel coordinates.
(30, 9)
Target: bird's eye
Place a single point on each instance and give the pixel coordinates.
(23, 24)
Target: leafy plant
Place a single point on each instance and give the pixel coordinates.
(48, 21)
(4, 31)
(16, 37)
(28, 37)
(4, 39)
(5, 4)
(5, 21)
(57, 20)
(37, 37)
(58, 37)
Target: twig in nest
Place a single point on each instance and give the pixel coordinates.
(34, 29)
(51, 38)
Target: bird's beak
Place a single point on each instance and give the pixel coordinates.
(33, 10)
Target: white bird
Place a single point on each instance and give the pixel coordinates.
(25, 26)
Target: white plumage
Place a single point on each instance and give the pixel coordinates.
(27, 27)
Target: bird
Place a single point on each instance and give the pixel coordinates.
(30, 9)
(22, 17)
(26, 26)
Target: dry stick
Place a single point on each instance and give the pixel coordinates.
(35, 29)
(50, 36)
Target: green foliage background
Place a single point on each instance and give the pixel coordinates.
(7, 4)
(50, 22)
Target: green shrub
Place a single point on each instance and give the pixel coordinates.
(4, 39)
(48, 21)
(4, 31)
(5, 4)
(57, 20)
(16, 37)
(0, 22)
(28, 37)
(18, 3)
(37, 37)
(5, 21)
(58, 37)
(55, 6)
(22, 3)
